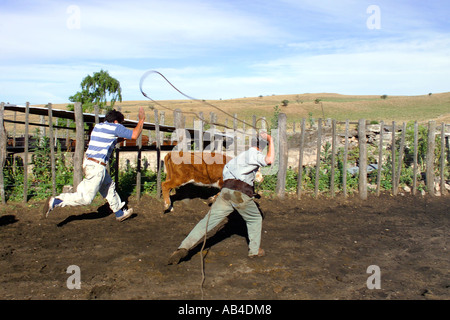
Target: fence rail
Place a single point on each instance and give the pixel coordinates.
(385, 153)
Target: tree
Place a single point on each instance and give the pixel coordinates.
(96, 89)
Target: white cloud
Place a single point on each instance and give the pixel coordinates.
(394, 67)
(391, 67)
(204, 47)
(131, 29)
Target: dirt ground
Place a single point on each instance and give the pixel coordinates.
(315, 249)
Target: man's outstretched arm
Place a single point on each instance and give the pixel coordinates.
(138, 129)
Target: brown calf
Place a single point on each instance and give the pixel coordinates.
(200, 168)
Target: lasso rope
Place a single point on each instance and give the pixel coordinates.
(146, 74)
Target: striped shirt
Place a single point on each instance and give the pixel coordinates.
(103, 140)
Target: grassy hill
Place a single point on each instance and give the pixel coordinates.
(319, 105)
(315, 105)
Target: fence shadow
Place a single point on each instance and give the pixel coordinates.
(8, 219)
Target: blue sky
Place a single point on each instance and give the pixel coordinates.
(217, 49)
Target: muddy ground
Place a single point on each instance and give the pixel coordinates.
(315, 249)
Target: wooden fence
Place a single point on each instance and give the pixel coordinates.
(396, 161)
(338, 130)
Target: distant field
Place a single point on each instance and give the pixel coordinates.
(335, 106)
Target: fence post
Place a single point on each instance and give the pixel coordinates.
(443, 191)
(414, 189)
(198, 135)
(431, 145)
(362, 159)
(14, 131)
(333, 155)
(380, 158)
(162, 118)
(79, 147)
(400, 158)
(319, 146)
(42, 131)
(3, 143)
(235, 144)
(96, 112)
(158, 155)
(25, 156)
(344, 169)
(52, 148)
(67, 135)
(283, 151)
(394, 191)
(138, 173)
(179, 129)
(300, 160)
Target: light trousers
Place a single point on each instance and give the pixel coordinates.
(96, 179)
(226, 202)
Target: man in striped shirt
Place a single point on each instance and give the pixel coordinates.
(96, 177)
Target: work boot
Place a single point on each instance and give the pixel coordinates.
(177, 256)
(261, 253)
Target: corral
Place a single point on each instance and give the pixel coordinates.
(315, 249)
(318, 247)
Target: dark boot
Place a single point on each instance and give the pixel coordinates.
(177, 256)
